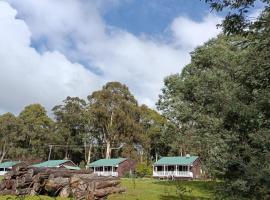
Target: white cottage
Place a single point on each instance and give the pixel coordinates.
(7, 166)
(116, 167)
(180, 167)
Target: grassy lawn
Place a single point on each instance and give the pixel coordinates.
(150, 189)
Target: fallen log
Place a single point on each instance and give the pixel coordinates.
(106, 191)
(8, 192)
(65, 192)
(54, 184)
(23, 191)
(9, 183)
(105, 184)
(2, 186)
(80, 184)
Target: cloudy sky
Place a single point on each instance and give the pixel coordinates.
(50, 49)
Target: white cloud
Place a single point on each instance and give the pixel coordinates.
(190, 34)
(27, 76)
(76, 29)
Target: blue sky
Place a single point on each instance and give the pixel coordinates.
(153, 17)
(52, 49)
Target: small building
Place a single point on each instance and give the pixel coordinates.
(68, 164)
(180, 167)
(7, 166)
(116, 167)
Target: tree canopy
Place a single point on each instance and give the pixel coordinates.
(220, 102)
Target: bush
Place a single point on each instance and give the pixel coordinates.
(142, 170)
(82, 165)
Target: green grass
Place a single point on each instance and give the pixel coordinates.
(150, 189)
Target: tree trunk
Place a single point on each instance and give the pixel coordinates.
(2, 157)
(85, 152)
(55, 184)
(89, 155)
(3, 153)
(66, 153)
(108, 149)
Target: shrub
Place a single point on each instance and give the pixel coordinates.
(82, 165)
(142, 170)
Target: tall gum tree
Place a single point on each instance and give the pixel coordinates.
(37, 130)
(10, 131)
(72, 122)
(115, 115)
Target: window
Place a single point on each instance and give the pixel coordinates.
(170, 168)
(99, 169)
(182, 168)
(159, 168)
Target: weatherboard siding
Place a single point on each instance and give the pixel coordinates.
(126, 167)
(196, 169)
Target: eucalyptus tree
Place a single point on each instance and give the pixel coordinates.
(10, 134)
(71, 122)
(155, 138)
(115, 115)
(37, 130)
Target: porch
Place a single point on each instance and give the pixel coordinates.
(3, 171)
(177, 171)
(105, 171)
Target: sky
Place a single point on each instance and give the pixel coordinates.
(51, 49)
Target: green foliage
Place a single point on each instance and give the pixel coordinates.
(239, 20)
(220, 106)
(115, 116)
(11, 131)
(154, 138)
(85, 130)
(142, 170)
(37, 130)
(71, 126)
(82, 164)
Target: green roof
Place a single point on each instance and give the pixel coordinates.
(51, 163)
(179, 160)
(72, 167)
(8, 164)
(107, 162)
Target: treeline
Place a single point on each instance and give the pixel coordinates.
(109, 123)
(220, 104)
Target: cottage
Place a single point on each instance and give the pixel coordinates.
(7, 166)
(68, 164)
(116, 167)
(182, 167)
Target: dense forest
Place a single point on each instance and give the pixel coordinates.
(218, 107)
